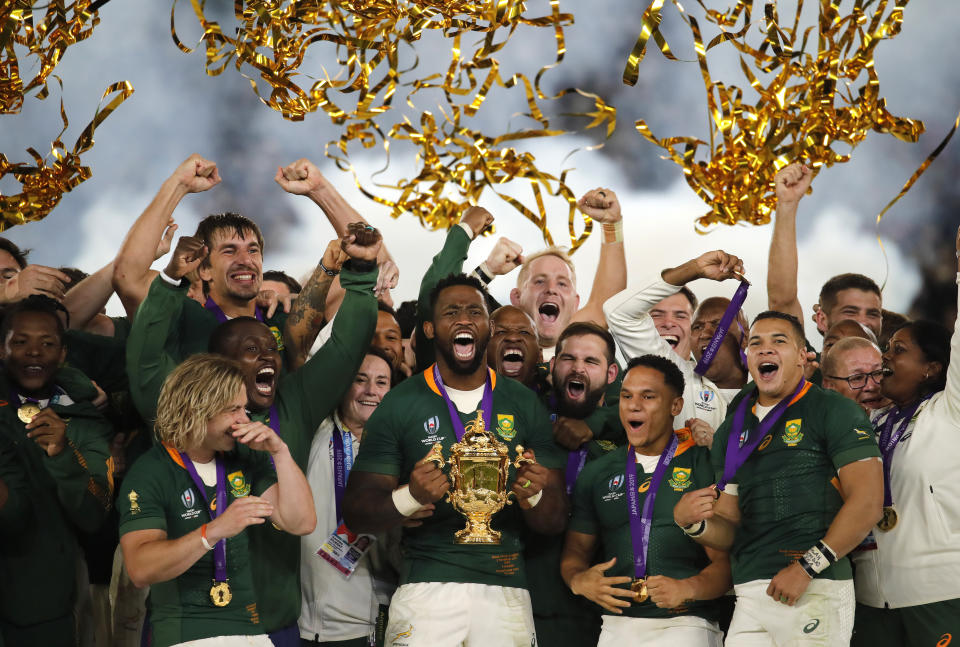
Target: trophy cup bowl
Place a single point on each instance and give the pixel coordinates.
(479, 468)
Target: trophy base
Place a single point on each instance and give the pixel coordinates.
(477, 534)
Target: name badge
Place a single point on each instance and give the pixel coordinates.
(343, 549)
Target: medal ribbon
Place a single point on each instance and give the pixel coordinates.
(738, 453)
(221, 316)
(722, 328)
(342, 463)
(486, 403)
(889, 439)
(641, 522)
(220, 548)
(575, 463)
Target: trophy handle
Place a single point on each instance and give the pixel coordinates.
(520, 460)
(435, 456)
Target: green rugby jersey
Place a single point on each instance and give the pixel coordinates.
(409, 420)
(600, 508)
(158, 493)
(787, 489)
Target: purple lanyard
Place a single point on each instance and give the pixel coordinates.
(889, 439)
(718, 335)
(221, 316)
(641, 522)
(575, 463)
(738, 452)
(220, 548)
(486, 404)
(342, 463)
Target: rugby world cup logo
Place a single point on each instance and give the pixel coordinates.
(187, 498)
(431, 425)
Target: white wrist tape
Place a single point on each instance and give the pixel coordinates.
(535, 499)
(404, 502)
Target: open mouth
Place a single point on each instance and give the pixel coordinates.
(511, 362)
(464, 346)
(887, 372)
(368, 403)
(576, 389)
(767, 370)
(34, 370)
(635, 425)
(264, 380)
(244, 276)
(673, 340)
(549, 312)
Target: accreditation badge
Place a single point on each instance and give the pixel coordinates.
(343, 549)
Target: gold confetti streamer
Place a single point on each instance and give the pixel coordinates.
(456, 163)
(44, 182)
(817, 86)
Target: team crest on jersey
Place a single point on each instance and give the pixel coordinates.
(680, 480)
(791, 432)
(187, 498)
(606, 445)
(278, 336)
(134, 499)
(238, 485)
(505, 426)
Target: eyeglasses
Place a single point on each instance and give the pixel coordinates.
(859, 380)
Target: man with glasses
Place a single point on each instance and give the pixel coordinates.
(853, 368)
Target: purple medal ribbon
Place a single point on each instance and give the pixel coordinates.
(341, 465)
(575, 463)
(721, 332)
(738, 452)
(486, 404)
(221, 316)
(641, 522)
(889, 439)
(220, 548)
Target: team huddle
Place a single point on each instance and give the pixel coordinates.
(245, 460)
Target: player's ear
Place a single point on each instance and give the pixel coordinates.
(428, 329)
(676, 407)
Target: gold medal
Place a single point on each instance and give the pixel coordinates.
(639, 588)
(220, 594)
(889, 520)
(27, 411)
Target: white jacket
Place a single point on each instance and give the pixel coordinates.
(632, 326)
(918, 562)
(334, 607)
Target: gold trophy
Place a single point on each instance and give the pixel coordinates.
(479, 467)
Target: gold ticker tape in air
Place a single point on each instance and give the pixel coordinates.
(45, 30)
(817, 88)
(456, 162)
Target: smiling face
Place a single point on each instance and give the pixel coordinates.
(219, 436)
(253, 345)
(32, 352)
(387, 337)
(460, 328)
(235, 266)
(647, 408)
(704, 326)
(862, 306)
(906, 368)
(775, 358)
(581, 373)
(672, 319)
(513, 349)
(549, 295)
(858, 361)
(371, 383)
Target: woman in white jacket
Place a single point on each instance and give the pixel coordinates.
(907, 572)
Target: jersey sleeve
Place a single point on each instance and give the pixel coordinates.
(142, 501)
(380, 451)
(263, 474)
(849, 434)
(584, 516)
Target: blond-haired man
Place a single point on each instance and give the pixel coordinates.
(186, 503)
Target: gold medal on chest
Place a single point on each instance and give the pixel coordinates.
(889, 520)
(220, 594)
(639, 588)
(27, 411)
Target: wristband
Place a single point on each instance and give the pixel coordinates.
(814, 561)
(203, 537)
(482, 272)
(694, 529)
(535, 499)
(177, 283)
(468, 229)
(328, 271)
(828, 552)
(612, 232)
(404, 502)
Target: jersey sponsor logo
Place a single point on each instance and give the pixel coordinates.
(238, 484)
(278, 336)
(791, 432)
(134, 499)
(763, 443)
(945, 640)
(505, 426)
(680, 480)
(645, 485)
(811, 626)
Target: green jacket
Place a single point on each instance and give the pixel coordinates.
(48, 498)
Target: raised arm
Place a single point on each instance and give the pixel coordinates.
(131, 269)
(611, 277)
(951, 392)
(791, 183)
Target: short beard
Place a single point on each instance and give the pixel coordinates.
(577, 410)
(458, 367)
